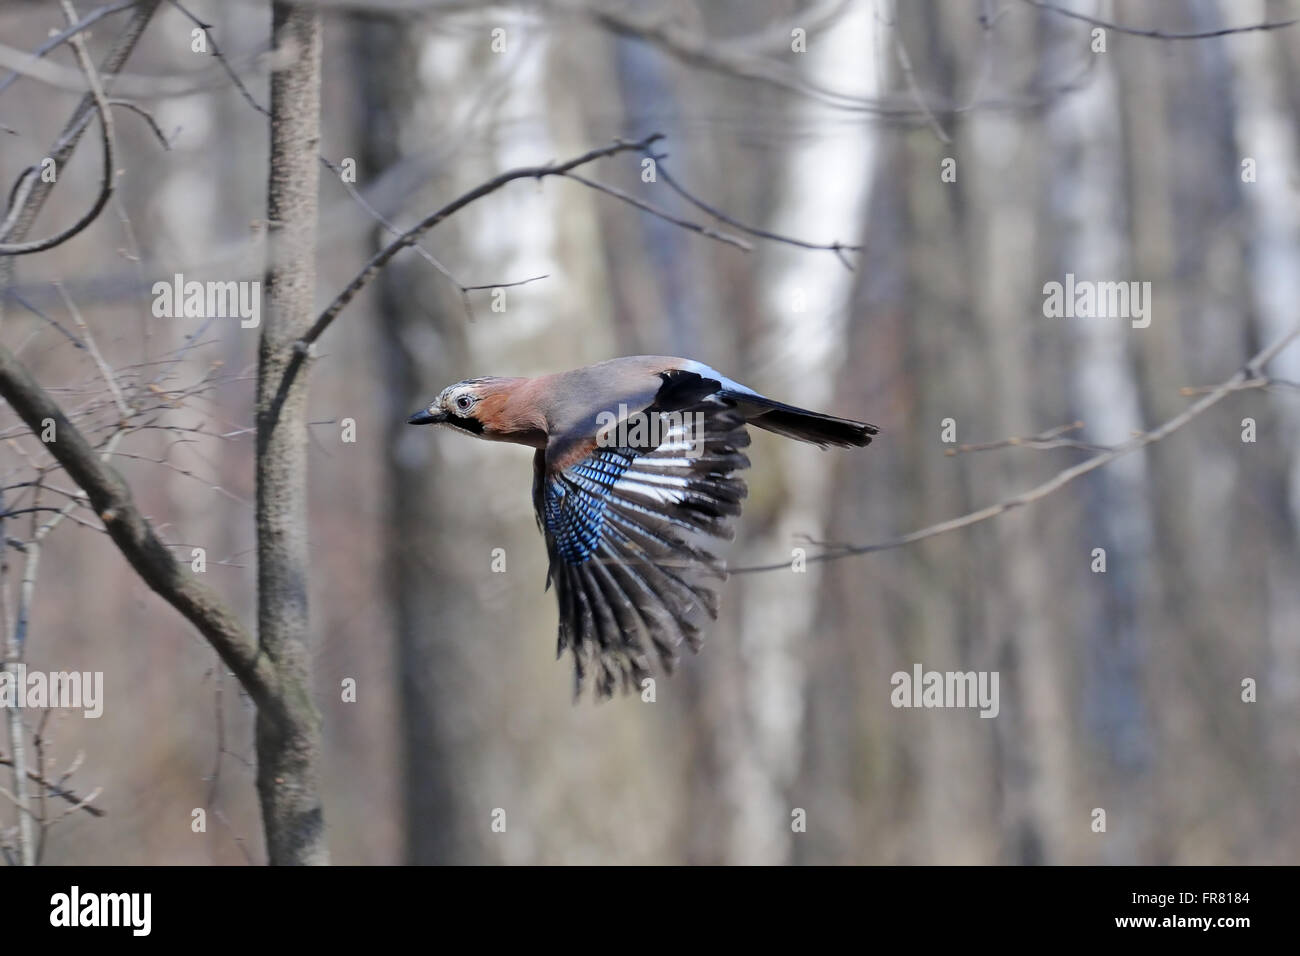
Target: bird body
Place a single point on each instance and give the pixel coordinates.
(633, 471)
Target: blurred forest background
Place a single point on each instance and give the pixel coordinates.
(1120, 690)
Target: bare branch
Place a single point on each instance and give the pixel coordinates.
(144, 114)
(336, 170)
(734, 57)
(134, 536)
(1264, 382)
(85, 23)
(106, 137)
(381, 258)
(35, 191)
(221, 59)
(839, 248)
(1042, 441)
(1248, 373)
(655, 211)
(1161, 34)
(151, 86)
(58, 790)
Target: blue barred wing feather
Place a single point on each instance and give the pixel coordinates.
(628, 532)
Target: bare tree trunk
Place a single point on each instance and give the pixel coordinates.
(288, 742)
(421, 326)
(17, 748)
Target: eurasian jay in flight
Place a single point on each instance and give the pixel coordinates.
(633, 472)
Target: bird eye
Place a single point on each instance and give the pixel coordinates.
(464, 403)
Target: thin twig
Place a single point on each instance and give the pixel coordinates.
(1265, 382)
(324, 160)
(140, 111)
(839, 248)
(89, 20)
(58, 790)
(655, 211)
(1042, 441)
(109, 378)
(905, 64)
(503, 285)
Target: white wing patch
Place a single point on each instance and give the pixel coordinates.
(699, 368)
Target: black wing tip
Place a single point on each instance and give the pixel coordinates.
(860, 435)
(817, 429)
(646, 584)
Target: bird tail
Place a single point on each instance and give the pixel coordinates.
(801, 424)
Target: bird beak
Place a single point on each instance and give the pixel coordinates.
(425, 417)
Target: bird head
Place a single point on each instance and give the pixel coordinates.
(458, 405)
(493, 408)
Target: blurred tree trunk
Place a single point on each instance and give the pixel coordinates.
(421, 337)
(743, 737)
(853, 805)
(1267, 133)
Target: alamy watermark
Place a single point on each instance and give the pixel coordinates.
(64, 690)
(664, 431)
(132, 911)
(942, 689)
(1085, 299)
(179, 299)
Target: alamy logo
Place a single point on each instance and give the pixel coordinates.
(1085, 299)
(923, 688)
(75, 908)
(68, 690)
(675, 431)
(179, 299)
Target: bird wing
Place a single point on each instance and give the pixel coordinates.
(626, 527)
